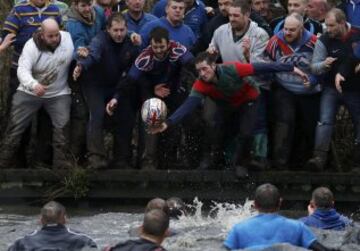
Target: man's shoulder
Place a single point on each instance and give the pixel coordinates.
(138, 244)
(224, 28)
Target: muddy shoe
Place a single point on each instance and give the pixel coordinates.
(96, 162)
(241, 172)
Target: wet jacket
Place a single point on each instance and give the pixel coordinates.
(326, 219)
(351, 9)
(136, 245)
(108, 60)
(300, 54)
(81, 30)
(136, 25)
(54, 238)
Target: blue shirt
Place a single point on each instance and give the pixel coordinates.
(180, 33)
(326, 219)
(195, 18)
(265, 230)
(136, 25)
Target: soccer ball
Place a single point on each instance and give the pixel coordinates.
(153, 111)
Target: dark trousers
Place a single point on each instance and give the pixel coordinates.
(123, 119)
(295, 121)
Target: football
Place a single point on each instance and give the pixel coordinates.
(153, 111)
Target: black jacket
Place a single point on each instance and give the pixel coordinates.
(54, 238)
(136, 245)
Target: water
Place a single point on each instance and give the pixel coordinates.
(196, 232)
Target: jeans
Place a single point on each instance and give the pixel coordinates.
(331, 100)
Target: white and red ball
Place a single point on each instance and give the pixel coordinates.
(153, 111)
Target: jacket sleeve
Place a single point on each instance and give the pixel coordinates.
(27, 60)
(12, 23)
(186, 108)
(317, 63)
(77, 35)
(95, 50)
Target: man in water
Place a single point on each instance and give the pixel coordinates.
(54, 235)
(269, 228)
(153, 232)
(322, 213)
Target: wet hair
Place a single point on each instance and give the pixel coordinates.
(267, 197)
(244, 5)
(157, 203)
(204, 56)
(52, 213)
(158, 34)
(323, 198)
(82, 1)
(115, 17)
(176, 207)
(156, 222)
(339, 15)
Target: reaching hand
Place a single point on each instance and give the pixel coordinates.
(246, 44)
(77, 72)
(302, 75)
(161, 90)
(210, 11)
(136, 39)
(8, 40)
(39, 89)
(357, 68)
(157, 128)
(339, 79)
(82, 52)
(212, 50)
(111, 106)
(329, 61)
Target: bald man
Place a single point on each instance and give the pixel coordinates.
(317, 9)
(54, 235)
(42, 72)
(293, 44)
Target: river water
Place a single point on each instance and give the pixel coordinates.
(195, 232)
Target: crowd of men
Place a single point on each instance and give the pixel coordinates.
(265, 229)
(244, 83)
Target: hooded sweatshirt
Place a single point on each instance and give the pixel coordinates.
(300, 54)
(83, 30)
(326, 219)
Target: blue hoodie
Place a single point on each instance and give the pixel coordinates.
(326, 219)
(300, 54)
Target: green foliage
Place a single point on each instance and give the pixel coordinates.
(74, 184)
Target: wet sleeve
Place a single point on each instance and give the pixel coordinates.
(186, 108)
(27, 60)
(231, 242)
(260, 68)
(77, 35)
(307, 236)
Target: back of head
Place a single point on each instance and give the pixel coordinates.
(156, 222)
(176, 207)
(323, 198)
(205, 56)
(53, 213)
(157, 203)
(267, 198)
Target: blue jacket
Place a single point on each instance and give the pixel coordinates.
(326, 219)
(196, 18)
(300, 55)
(82, 31)
(352, 11)
(108, 60)
(135, 26)
(56, 237)
(181, 33)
